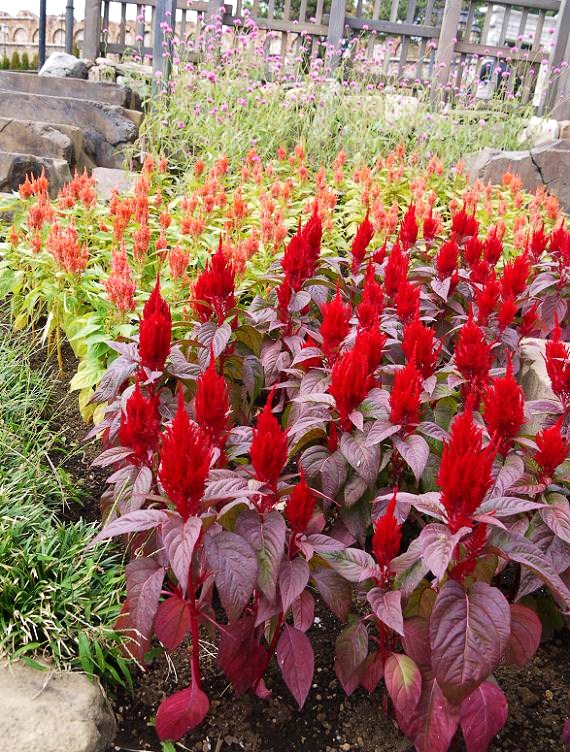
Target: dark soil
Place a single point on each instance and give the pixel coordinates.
(538, 695)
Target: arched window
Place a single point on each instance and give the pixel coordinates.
(20, 36)
(58, 38)
(35, 36)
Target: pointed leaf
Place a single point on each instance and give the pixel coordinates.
(297, 662)
(179, 539)
(505, 506)
(144, 578)
(240, 654)
(557, 516)
(234, 564)
(267, 538)
(469, 633)
(483, 714)
(335, 591)
(365, 459)
(371, 671)
(403, 682)
(526, 631)
(303, 609)
(520, 549)
(181, 712)
(388, 608)
(172, 622)
(353, 564)
(415, 452)
(351, 651)
(132, 522)
(434, 722)
(293, 579)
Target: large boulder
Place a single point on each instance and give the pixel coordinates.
(62, 65)
(52, 711)
(106, 180)
(14, 167)
(35, 138)
(547, 165)
(534, 377)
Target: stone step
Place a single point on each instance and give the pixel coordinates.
(111, 121)
(45, 140)
(77, 88)
(107, 129)
(14, 167)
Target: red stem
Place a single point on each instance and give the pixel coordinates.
(194, 629)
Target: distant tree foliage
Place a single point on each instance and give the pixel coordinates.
(16, 62)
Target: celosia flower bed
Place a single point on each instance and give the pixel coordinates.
(81, 267)
(350, 428)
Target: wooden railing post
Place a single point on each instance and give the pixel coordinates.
(92, 30)
(165, 15)
(336, 32)
(558, 96)
(446, 46)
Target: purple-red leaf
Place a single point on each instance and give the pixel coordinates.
(483, 714)
(353, 564)
(133, 522)
(388, 608)
(179, 539)
(335, 591)
(240, 654)
(505, 506)
(526, 631)
(293, 579)
(416, 642)
(267, 538)
(351, 651)
(172, 622)
(181, 712)
(371, 671)
(363, 457)
(234, 564)
(522, 550)
(469, 633)
(403, 682)
(434, 722)
(303, 609)
(415, 451)
(297, 662)
(144, 579)
(557, 516)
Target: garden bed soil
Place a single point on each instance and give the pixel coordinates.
(538, 695)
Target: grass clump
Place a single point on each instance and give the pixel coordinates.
(56, 598)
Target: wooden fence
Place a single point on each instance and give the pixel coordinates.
(519, 47)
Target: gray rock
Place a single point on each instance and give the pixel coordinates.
(75, 88)
(534, 376)
(14, 168)
(107, 179)
(52, 711)
(112, 122)
(62, 65)
(42, 139)
(102, 73)
(547, 165)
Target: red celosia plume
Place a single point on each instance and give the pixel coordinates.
(184, 462)
(504, 409)
(211, 404)
(421, 345)
(553, 449)
(335, 325)
(387, 536)
(214, 290)
(155, 332)
(269, 446)
(363, 236)
(300, 506)
(405, 397)
(465, 473)
(140, 426)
